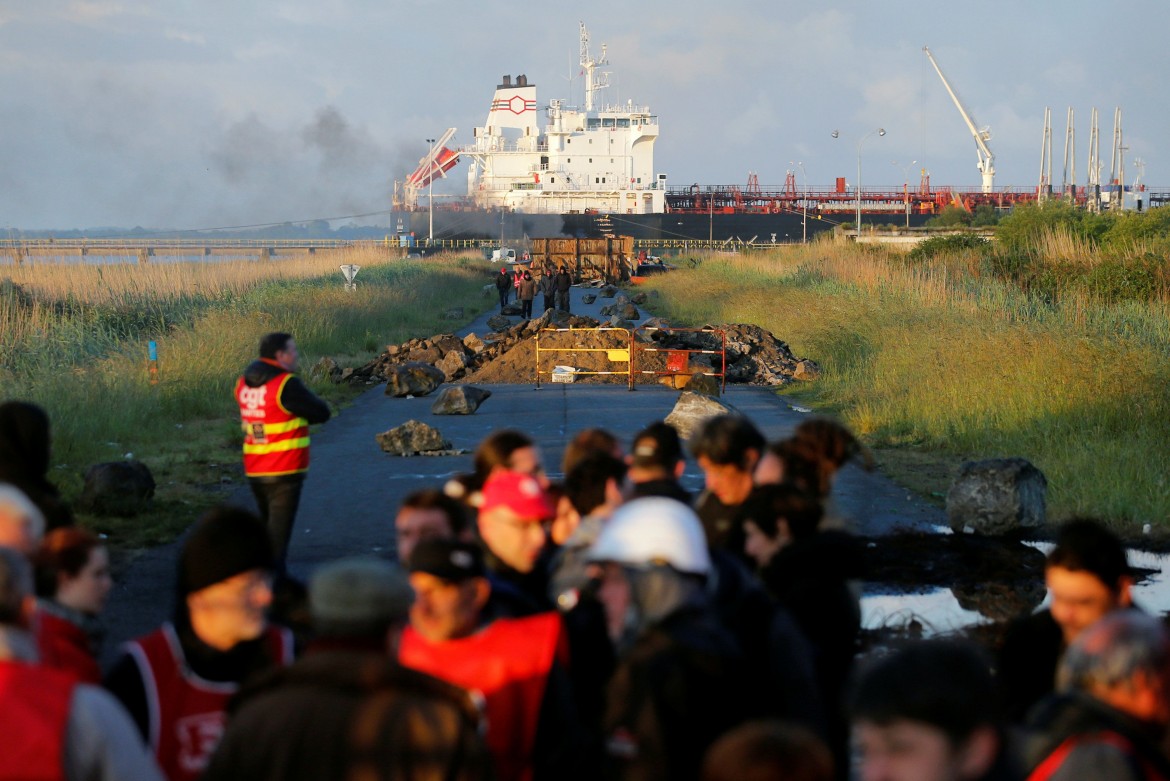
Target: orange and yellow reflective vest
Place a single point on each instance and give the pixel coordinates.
(276, 441)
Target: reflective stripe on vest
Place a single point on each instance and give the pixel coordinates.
(276, 442)
(508, 663)
(34, 713)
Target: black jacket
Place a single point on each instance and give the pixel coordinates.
(295, 397)
(1112, 744)
(337, 712)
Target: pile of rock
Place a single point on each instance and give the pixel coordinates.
(508, 353)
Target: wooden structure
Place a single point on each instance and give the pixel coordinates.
(608, 258)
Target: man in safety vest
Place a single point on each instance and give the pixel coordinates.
(54, 726)
(275, 411)
(177, 680)
(517, 665)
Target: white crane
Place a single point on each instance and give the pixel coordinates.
(982, 135)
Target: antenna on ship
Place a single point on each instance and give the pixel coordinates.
(593, 82)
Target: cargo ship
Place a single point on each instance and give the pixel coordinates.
(589, 172)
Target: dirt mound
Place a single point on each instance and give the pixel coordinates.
(754, 356)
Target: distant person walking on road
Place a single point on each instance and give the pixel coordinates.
(275, 410)
(504, 286)
(527, 293)
(563, 281)
(547, 287)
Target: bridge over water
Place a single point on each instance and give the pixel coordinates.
(142, 250)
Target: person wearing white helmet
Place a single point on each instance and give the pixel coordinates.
(678, 683)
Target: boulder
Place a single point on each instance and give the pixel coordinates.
(454, 313)
(499, 323)
(513, 308)
(639, 298)
(706, 384)
(410, 438)
(691, 410)
(630, 312)
(445, 343)
(997, 496)
(122, 488)
(588, 298)
(325, 369)
(459, 400)
(616, 321)
(451, 364)
(808, 369)
(412, 379)
(473, 343)
(609, 291)
(606, 310)
(428, 354)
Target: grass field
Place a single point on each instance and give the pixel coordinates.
(935, 363)
(74, 339)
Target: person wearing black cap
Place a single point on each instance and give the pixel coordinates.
(347, 708)
(176, 681)
(657, 462)
(517, 664)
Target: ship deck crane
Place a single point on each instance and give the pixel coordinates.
(982, 135)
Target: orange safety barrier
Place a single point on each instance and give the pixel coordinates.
(618, 354)
(678, 360)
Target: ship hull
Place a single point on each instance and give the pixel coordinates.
(505, 227)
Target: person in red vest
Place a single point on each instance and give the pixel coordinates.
(347, 709)
(177, 680)
(517, 665)
(275, 411)
(55, 727)
(1111, 714)
(73, 582)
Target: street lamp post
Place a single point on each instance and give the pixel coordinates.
(881, 131)
(803, 205)
(430, 195)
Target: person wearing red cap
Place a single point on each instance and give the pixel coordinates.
(513, 527)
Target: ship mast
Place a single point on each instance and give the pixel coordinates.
(593, 82)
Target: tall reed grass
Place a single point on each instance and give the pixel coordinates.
(74, 338)
(936, 357)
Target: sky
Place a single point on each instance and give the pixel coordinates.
(200, 114)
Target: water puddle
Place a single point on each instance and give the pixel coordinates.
(936, 610)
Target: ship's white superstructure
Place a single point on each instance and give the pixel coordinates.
(599, 158)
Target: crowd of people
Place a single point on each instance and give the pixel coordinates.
(603, 624)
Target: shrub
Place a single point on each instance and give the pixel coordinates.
(938, 245)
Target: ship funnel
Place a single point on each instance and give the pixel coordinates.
(506, 81)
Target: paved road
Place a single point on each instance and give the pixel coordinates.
(353, 488)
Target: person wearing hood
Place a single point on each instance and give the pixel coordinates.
(678, 682)
(25, 449)
(275, 411)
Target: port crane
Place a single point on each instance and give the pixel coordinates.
(982, 135)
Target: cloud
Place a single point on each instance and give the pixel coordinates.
(185, 37)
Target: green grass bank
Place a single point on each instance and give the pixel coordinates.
(938, 360)
(74, 340)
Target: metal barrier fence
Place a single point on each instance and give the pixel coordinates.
(677, 363)
(678, 358)
(613, 355)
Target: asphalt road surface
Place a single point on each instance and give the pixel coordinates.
(353, 488)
